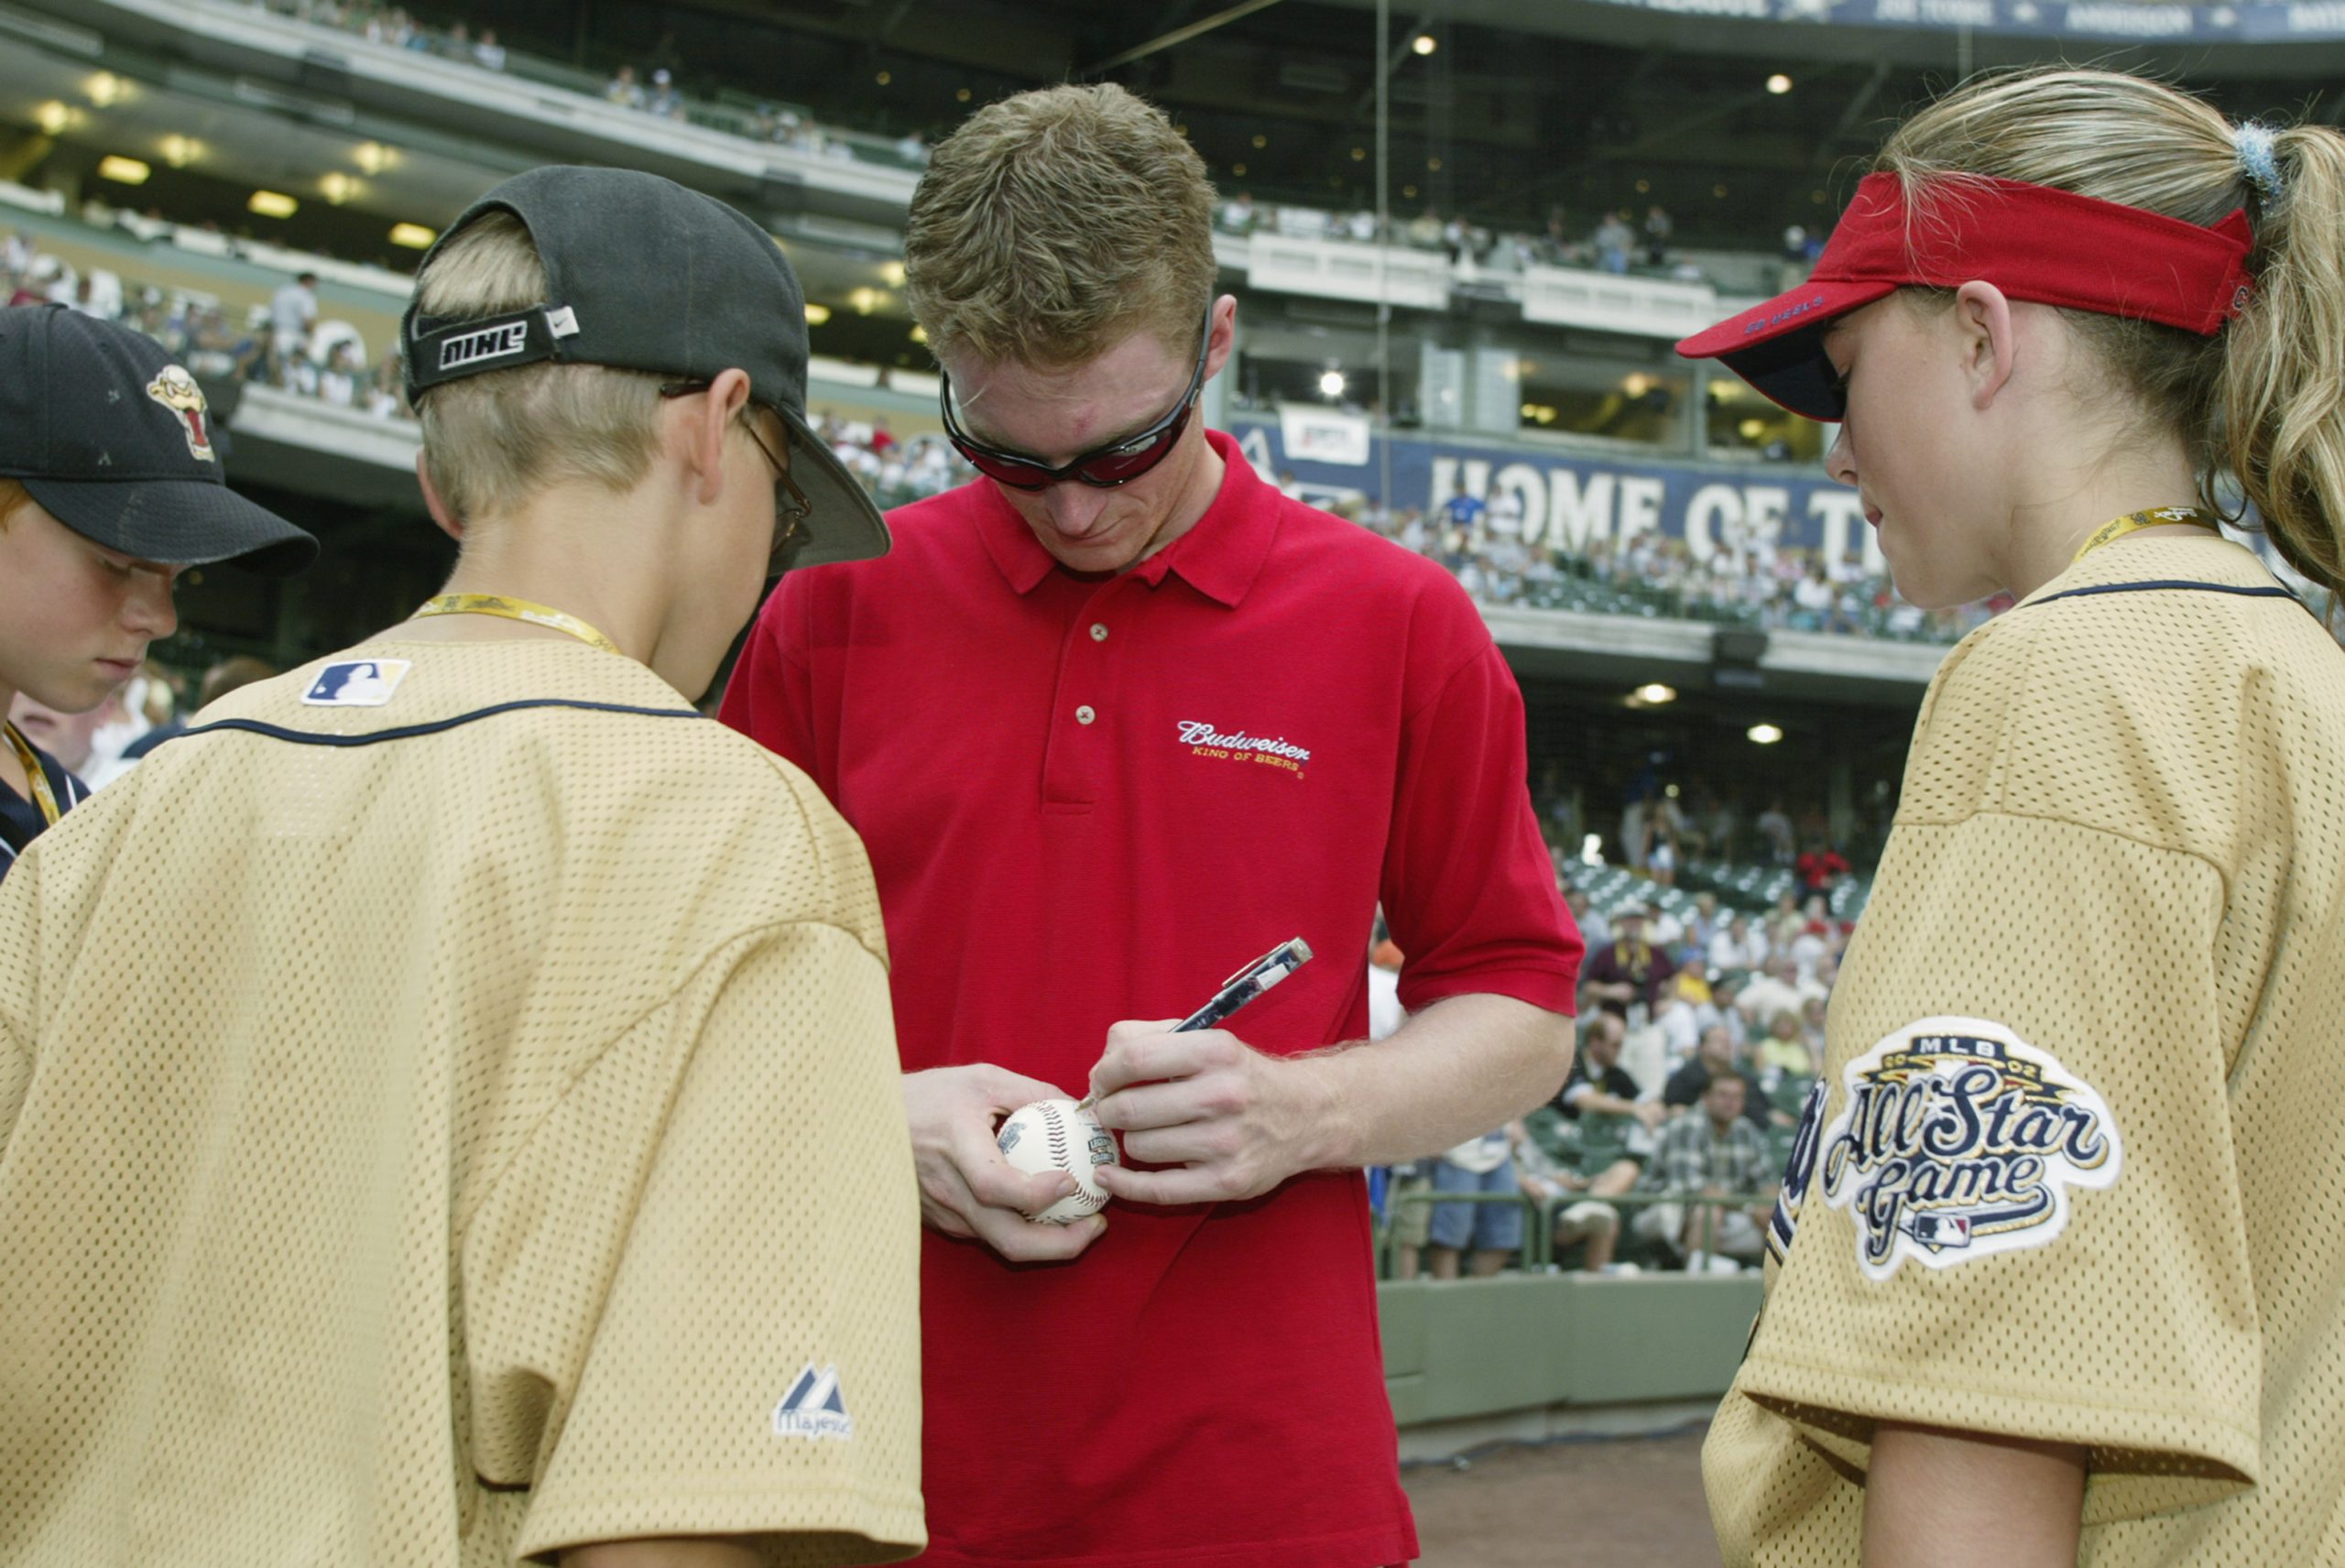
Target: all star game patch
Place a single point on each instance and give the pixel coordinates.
(1959, 1140)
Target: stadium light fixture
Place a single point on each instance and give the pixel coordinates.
(919, 333)
(338, 187)
(892, 274)
(1331, 384)
(105, 87)
(1424, 43)
(884, 78)
(1779, 84)
(816, 314)
(373, 157)
(52, 117)
(272, 204)
(1764, 734)
(863, 301)
(1358, 153)
(123, 170)
(1260, 140)
(1238, 169)
(180, 151)
(961, 95)
(1654, 693)
(412, 237)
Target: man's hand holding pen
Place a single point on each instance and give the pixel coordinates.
(1224, 1120)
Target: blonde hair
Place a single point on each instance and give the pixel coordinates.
(491, 440)
(2264, 398)
(1055, 223)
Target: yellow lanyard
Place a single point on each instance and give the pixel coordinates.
(2134, 522)
(517, 610)
(35, 778)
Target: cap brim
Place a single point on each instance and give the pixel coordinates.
(180, 522)
(1778, 345)
(842, 522)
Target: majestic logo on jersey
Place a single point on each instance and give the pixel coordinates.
(1204, 740)
(175, 389)
(356, 683)
(1959, 1140)
(1799, 1169)
(813, 1407)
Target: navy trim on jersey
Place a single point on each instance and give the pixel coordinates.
(437, 727)
(20, 820)
(2162, 583)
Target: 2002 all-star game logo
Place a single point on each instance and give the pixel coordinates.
(1959, 1140)
(1237, 745)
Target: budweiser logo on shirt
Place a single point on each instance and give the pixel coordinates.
(1275, 751)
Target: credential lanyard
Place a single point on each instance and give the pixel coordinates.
(2117, 528)
(513, 609)
(36, 778)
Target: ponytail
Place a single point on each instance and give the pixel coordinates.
(2282, 393)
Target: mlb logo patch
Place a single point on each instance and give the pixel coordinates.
(356, 683)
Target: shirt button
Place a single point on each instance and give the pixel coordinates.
(1098, 632)
(1084, 714)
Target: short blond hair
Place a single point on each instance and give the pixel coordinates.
(1055, 223)
(2264, 398)
(493, 439)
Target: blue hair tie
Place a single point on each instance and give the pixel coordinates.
(2257, 161)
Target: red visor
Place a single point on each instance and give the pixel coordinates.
(2053, 247)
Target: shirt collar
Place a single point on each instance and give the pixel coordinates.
(1219, 556)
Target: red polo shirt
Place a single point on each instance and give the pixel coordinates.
(1091, 799)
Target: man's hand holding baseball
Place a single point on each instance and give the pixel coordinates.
(1228, 1121)
(966, 1189)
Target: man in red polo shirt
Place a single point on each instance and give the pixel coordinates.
(1113, 721)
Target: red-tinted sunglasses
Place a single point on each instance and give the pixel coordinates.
(1105, 466)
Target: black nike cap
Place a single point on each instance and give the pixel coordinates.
(115, 439)
(643, 273)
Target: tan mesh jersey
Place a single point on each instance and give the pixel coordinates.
(2119, 866)
(453, 1147)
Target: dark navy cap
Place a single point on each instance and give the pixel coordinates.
(643, 273)
(115, 441)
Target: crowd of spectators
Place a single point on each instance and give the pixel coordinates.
(655, 91)
(1700, 1037)
(1752, 582)
(1619, 242)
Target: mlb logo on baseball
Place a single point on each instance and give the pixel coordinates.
(356, 683)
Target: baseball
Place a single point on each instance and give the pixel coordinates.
(1060, 1135)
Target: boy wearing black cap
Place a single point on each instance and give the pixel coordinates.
(464, 1201)
(110, 485)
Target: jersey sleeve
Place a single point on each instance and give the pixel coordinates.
(693, 1303)
(1467, 887)
(2014, 1205)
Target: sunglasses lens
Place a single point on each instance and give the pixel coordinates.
(1009, 471)
(1122, 468)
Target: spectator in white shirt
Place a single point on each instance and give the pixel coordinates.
(1738, 946)
(293, 309)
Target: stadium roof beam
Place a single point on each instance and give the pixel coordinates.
(1394, 55)
(1178, 36)
(1857, 104)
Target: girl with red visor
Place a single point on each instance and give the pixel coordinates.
(2055, 1274)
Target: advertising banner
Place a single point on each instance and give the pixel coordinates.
(1571, 501)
